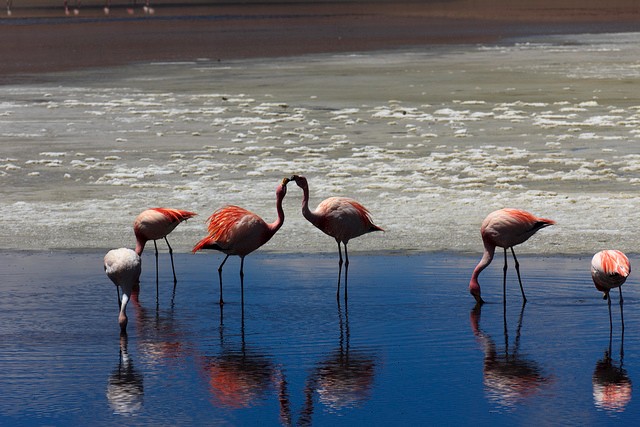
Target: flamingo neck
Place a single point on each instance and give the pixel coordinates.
(487, 257)
(306, 212)
(139, 246)
(275, 226)
(122, 318)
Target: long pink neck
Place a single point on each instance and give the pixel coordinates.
(487, 257)
(311, 216)
(139, 246)
(275, 226)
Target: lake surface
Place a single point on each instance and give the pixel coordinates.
(407, 348)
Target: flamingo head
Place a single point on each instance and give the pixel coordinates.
(301, 181)
(123, 320)
(281, 191)
(474, 290)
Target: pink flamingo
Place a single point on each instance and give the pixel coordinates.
(610, 269)
(157, 223)
(237, 231)
(505, 228)
(123, 267)
(339, 217)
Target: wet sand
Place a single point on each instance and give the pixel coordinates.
(39, 38)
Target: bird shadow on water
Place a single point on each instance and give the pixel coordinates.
(343, 379)
(611, 384)
(509, 377)
(239, 376)
(125, 389)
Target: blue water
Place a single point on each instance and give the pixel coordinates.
(407, 348)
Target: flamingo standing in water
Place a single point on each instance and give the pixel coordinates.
(505, 228)
(123, 267)
(157, 223)
(610, 269)
(237, 231)
(339, 217)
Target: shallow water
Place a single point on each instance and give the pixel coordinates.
(407, 348)
(430, 140)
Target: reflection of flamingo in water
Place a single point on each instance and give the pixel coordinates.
(505, 228)
(509, 377)
(343, 380)
(339, 217)
(239, 377)
(125, 389)
(609, 270)
(160, 341)
(611, 383)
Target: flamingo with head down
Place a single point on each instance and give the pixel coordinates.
(505, 228)
(609, 270)
(123, 268)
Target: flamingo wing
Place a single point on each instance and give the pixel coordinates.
(510, 227)
(344, 218)
(156, 223)
(234, 230)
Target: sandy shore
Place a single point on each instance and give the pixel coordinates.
(38, 37)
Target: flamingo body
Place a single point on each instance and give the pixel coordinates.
(157, 223)
(123, 267)
(339, 217)
(609, 269)
(236, 231)
(343, 219)
(505, 228)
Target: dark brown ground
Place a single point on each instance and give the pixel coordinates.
(38, 37)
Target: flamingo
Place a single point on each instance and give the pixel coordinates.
(237, 231)
(610, 269)
(505, 228)
(157, 223)
(123, 267)
(339, 217)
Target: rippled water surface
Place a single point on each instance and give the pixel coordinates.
(407, 348)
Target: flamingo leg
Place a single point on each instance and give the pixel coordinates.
(157, 286)
(118, 291)
(610, 321)
(220, 277)
(621, 299)
(346, 270)
(504, 278)
(242, 281)
(621, 314)
(173, 268)
(524, 298)
(339, 269)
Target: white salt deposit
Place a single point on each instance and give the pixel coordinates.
(430, 141)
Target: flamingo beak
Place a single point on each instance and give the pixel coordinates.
(285, 181)
(479, 300)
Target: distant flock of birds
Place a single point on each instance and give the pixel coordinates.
(147, 9)
(233, 230)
